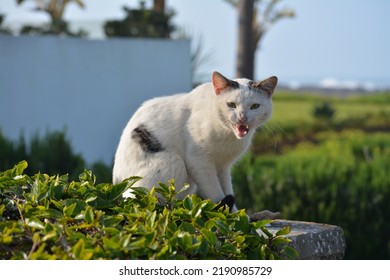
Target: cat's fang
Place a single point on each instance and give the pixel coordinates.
(241, 130)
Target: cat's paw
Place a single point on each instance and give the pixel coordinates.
(263, 215)
(227, 201)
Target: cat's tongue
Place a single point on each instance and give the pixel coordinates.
(241, 130)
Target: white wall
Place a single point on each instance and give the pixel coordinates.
(88, 87)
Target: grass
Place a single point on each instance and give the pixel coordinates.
(297, 107)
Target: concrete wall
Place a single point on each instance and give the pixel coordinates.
(88, 87)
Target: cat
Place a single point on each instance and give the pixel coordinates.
(195, 137)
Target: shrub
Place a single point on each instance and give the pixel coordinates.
(324, 110)
(52, 154)
(48, 217)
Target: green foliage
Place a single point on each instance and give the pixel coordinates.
(49, 154)
(4, 29)
(56, 27)
(324, 110)
(337, 178)
(141, 22)
(52, 154)
(48, 217)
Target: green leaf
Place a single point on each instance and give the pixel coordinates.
(125, 240)
(183, 189)
(68, 210)
(54, 213)
(222, 227)
(50, 235)
(229, 248)
(204, 246)
(290, 252)
(188, 203)
(112, 221)
(57, 204)
(163, 252)
(280, 240)
(88, 215)
(171, 229)
(80, 252)
(198, 209)
(187, 227)
(185, 240)
(34, 223)
(90, 198)
(284, 231)
(150, 202)
(267, 232)
(19, 168)
(210, 236)
(262, 223)
(57, 191)
(239, 239)
(80, 205)
(111, 230)
(112, 192)
(243, 223)
(150, 219)
(163, 188)
(5, 239)
(213, 214)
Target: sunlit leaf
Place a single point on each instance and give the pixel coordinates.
(34, 223)
(285, 230)
(88, 215)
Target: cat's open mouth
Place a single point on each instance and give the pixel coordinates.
(241, 130)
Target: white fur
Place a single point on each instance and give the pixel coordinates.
(198, 135)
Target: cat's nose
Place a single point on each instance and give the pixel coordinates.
(242, 118)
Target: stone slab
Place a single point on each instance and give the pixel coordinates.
(313, 241)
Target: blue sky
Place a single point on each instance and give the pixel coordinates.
(329, 42)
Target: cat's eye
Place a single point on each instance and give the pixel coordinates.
(255, 106)
(231, 105)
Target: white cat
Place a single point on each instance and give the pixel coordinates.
(194, 137)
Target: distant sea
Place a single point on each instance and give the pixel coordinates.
(368, 84)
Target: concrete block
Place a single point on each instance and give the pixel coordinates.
(313, 241)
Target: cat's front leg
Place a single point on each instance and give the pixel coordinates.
(226, 183)
(205, 176)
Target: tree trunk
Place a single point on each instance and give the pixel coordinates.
(159, 6)
(245, 51)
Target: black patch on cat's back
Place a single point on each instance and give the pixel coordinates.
(148, 142)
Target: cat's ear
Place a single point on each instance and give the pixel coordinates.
(222, 83)
(267, 85)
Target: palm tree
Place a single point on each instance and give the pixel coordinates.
(254, 22)
(159, 6)
(55, 9)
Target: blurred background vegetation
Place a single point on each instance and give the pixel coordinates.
(50, 154)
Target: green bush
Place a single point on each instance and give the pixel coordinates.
(48, 217)
(324, 111)
(51, 154)
(340, 178)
